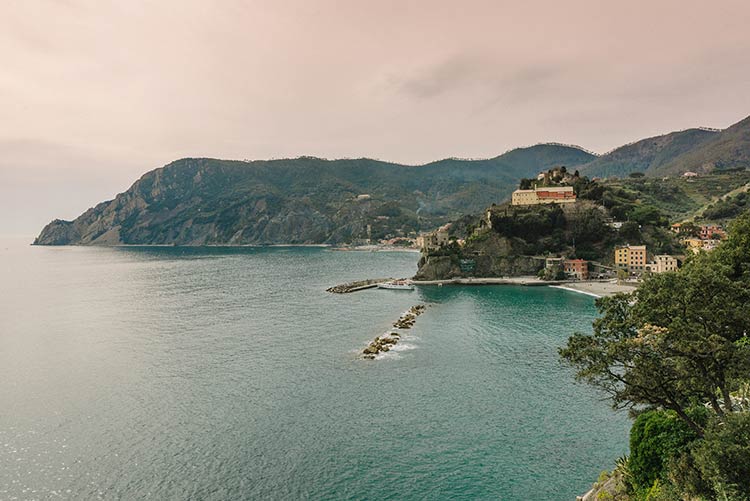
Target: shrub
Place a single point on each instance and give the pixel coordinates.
(656, 437)
(723, 456)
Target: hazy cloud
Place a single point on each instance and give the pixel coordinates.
(94, 93)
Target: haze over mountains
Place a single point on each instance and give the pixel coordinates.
(312, 200)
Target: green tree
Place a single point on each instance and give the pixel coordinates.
(734, 252)
(723, 456)
(647, 214)
(672, 345)
(689, 229)
(631, 232)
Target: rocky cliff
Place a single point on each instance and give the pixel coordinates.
(513, 240)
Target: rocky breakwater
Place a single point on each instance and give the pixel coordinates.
(356, 286)
(384, 343)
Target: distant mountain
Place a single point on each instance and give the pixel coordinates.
(698, 150)
(730, 148)
(304, 200)
(648, 155)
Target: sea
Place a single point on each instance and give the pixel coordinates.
(230, 373)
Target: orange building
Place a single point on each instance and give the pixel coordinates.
(544, 195)
(712, 233)
(579, 268)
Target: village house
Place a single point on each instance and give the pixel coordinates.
(544, 195)
(712, 233)
(553, 262)
(709, 244)
(663, 263)
(579, 268)
(693, 244)
(631, 258)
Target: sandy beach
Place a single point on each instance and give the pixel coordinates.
(597, 289)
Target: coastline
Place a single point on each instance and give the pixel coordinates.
(527, 280)
(374, 248)
(332, 247)
(594, 288)
(571, 289)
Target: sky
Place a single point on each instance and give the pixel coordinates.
(95, 93)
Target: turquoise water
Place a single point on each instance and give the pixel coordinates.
(172, 373)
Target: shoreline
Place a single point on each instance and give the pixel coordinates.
(112, 246)
(332, 247)
(597, 289)
(530, 281)
(571, 289)
(593, 288)
(373, 248)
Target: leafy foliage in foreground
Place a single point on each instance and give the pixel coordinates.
(677, 345)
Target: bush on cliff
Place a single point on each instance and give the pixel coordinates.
(656, 439)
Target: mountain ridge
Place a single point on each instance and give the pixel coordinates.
(204, 201)
(200, 201)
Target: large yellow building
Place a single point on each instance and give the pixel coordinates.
(544, 195)
(631, 258)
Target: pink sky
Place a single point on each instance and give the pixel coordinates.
(95, 93)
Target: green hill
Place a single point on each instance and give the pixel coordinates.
(507, 240)
(677, 198)
(647, 155)
(303, 200)
(726, 150)
(696, 150)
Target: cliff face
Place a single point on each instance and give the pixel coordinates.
(304, 200)
(493, 257)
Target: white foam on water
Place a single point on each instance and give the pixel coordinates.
(403, 347)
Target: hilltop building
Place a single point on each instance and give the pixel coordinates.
(544, 195)
(631, 258)
(434, 240)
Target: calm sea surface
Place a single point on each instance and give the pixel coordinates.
(174, 373)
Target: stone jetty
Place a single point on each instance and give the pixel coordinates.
(386, 342)
(357, 286)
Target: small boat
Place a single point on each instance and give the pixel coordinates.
(397, 285)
